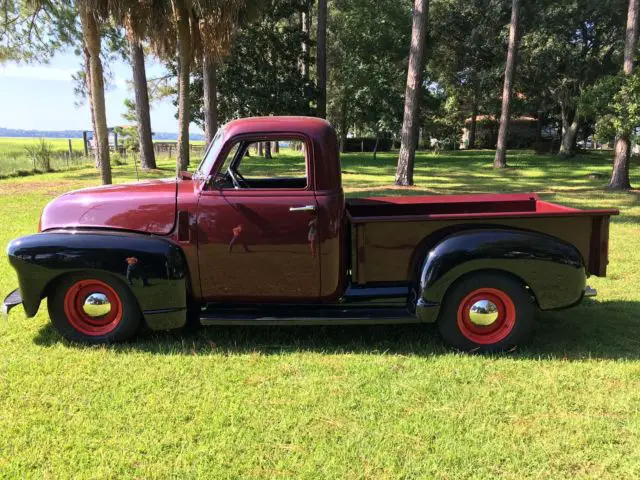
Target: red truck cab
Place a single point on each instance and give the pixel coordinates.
(246, 239)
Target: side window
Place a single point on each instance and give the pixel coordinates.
(276, 164)
(222, 179)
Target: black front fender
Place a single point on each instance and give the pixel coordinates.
(153, 266)
(552, 268)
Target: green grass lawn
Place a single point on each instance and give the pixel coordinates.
(337, 402)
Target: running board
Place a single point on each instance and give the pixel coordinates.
(304, 315)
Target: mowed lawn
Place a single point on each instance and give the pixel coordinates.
(337, 402)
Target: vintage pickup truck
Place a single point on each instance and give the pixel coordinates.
(248, 240)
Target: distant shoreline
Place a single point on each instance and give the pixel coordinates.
(14, 132)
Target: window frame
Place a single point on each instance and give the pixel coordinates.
(264, 137)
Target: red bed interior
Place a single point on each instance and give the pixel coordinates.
(452, 205)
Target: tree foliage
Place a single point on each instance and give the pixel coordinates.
(32, 31)
(261, 74)
(367, 61)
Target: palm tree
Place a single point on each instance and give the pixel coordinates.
(218, 21)
(620, 173)
(92, 41)
(140, 19)
(409, 135)
(210, 94)
(510, 68)
(184, 23)
(202, 30)
(141, 91)
(143, 117)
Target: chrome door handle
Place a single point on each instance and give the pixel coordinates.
(306, 208)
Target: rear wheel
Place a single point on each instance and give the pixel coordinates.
(94, 308)
(487, 312)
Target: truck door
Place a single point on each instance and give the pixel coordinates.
(257, 224)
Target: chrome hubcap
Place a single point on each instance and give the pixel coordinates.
(483, 313)
(96, 305)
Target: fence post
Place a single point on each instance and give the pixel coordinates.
(84, 142)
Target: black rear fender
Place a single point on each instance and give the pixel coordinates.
(553, 269)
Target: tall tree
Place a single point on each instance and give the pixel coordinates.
(143, 116)
(200, 28)
(410, 123)
(82, 90)
(467, 60)
(219, 21)
(33, 30)
(509, 71)
(91, 35)
(620, 173)
(210, 97)
(260, 74)
(304, 16)
(321, 58)
(183, 19)
(364, 90)
(564, 51)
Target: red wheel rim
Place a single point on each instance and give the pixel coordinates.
(74, 301)
(499, 328)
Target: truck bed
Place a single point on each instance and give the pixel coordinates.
(388, 232)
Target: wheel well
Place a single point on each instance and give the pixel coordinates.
(421, 252)
(493, 271)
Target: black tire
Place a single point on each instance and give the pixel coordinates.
(74, 325)
(515, 314)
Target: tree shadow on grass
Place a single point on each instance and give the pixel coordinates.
(595, 330)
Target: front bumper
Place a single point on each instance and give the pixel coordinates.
(12, 300)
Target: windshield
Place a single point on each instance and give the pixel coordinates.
(212, 153)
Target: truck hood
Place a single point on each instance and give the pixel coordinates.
(148, 207)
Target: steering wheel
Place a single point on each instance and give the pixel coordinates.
(237, 179)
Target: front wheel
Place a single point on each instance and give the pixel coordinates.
(487, 312)
(94, 308)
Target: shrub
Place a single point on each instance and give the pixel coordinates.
(367, 144)
(521, 133)
(40, 153)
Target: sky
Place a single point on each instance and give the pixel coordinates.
(40, 97)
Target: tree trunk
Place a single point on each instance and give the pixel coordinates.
(184, 66)
(305, 25)
(91, 36)
(569, 136)
(620, 174)
(343, 127)
(260, 149)
(473, 126)
(510, 68)
(210, 100)
(375, 147)
(321, 58)
(267, 150)
(143, 118)
(538, 146)
(410, 122)
(87, 68)
(276, 147)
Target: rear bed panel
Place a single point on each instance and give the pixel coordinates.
(384, 244)
(599, 246)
